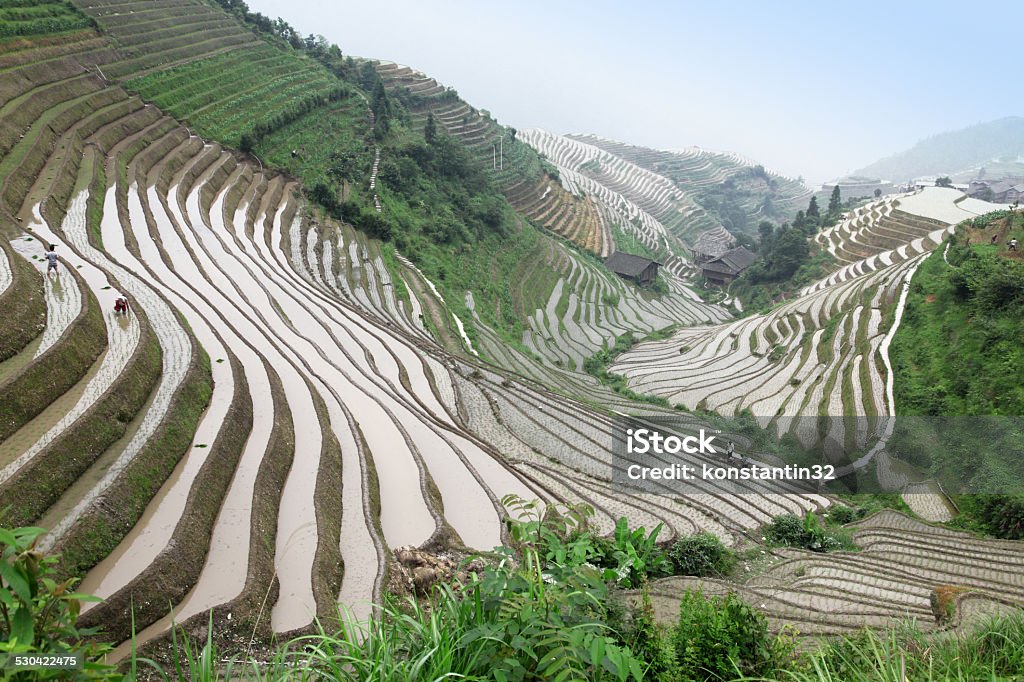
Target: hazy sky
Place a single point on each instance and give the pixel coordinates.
(814, 89)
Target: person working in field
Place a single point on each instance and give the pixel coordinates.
(121, 305)
(51, 261)
(1013, 244)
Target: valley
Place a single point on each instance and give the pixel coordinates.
(313, 374)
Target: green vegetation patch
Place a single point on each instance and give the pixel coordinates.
(241, 92)
(958, 350)
(789, 530)
(598, 363)
(39, 17)
(99, 530)
(957, 354)
(298, 147)
(23, 304)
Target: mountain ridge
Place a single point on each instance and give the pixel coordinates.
(953, 152)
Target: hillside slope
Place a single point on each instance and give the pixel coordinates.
(824, 353)
(276, 414)
(957, 359)
(953, 152)
(321, 362)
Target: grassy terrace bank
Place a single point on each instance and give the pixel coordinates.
(23, 304)
(46, 378)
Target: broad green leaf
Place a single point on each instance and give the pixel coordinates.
(7, 538)
(597, 648)
(16, 580)
(22, 627)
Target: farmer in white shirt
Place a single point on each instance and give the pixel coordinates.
(51, 261)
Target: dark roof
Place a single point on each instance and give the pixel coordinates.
(627, 264)
(732, 262)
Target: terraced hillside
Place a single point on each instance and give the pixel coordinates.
(676, 204)
(289, 400)
(894, 229)
(642, 202)
(569, 306)
(272, 417)
(750, 188)
(515, 168)
(823, 353)
(901, 566)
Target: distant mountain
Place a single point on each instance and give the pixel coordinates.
(954, 152)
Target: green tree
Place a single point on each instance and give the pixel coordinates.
(878, 192)
(944, 181)
(720, 638)
(430, 129)
(787, 255)
(812, 208)
(835, 203)
(766, 230)
(800, 221)
(368, 77)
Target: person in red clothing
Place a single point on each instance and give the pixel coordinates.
(121, 305)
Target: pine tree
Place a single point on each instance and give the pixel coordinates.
(812, 208)
(835, 203)
(430, 129)
(380, 104)
(800, 221)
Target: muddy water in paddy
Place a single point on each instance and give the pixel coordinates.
(15, 363)
(230, 302)
(153, 531)
(63, 298)
(122, 339)
(356, 543)
(297, 530)
(299, 315)
(173, 341)
(471, 513)
(467, 507)
(6, 275)
(397, 470)
(224, 573)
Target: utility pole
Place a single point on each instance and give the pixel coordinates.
(501, 155)
(494, 157)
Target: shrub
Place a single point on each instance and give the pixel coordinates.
(718, 638)
(840, 514)
(788, 530)
(1000, 515)
(701, 555)
(649, 642)
(38, 615)
(559, 537)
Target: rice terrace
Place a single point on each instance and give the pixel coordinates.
(310, 368)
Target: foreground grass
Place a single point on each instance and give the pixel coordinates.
(414, 643)
(992, 650)
(549, 607)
